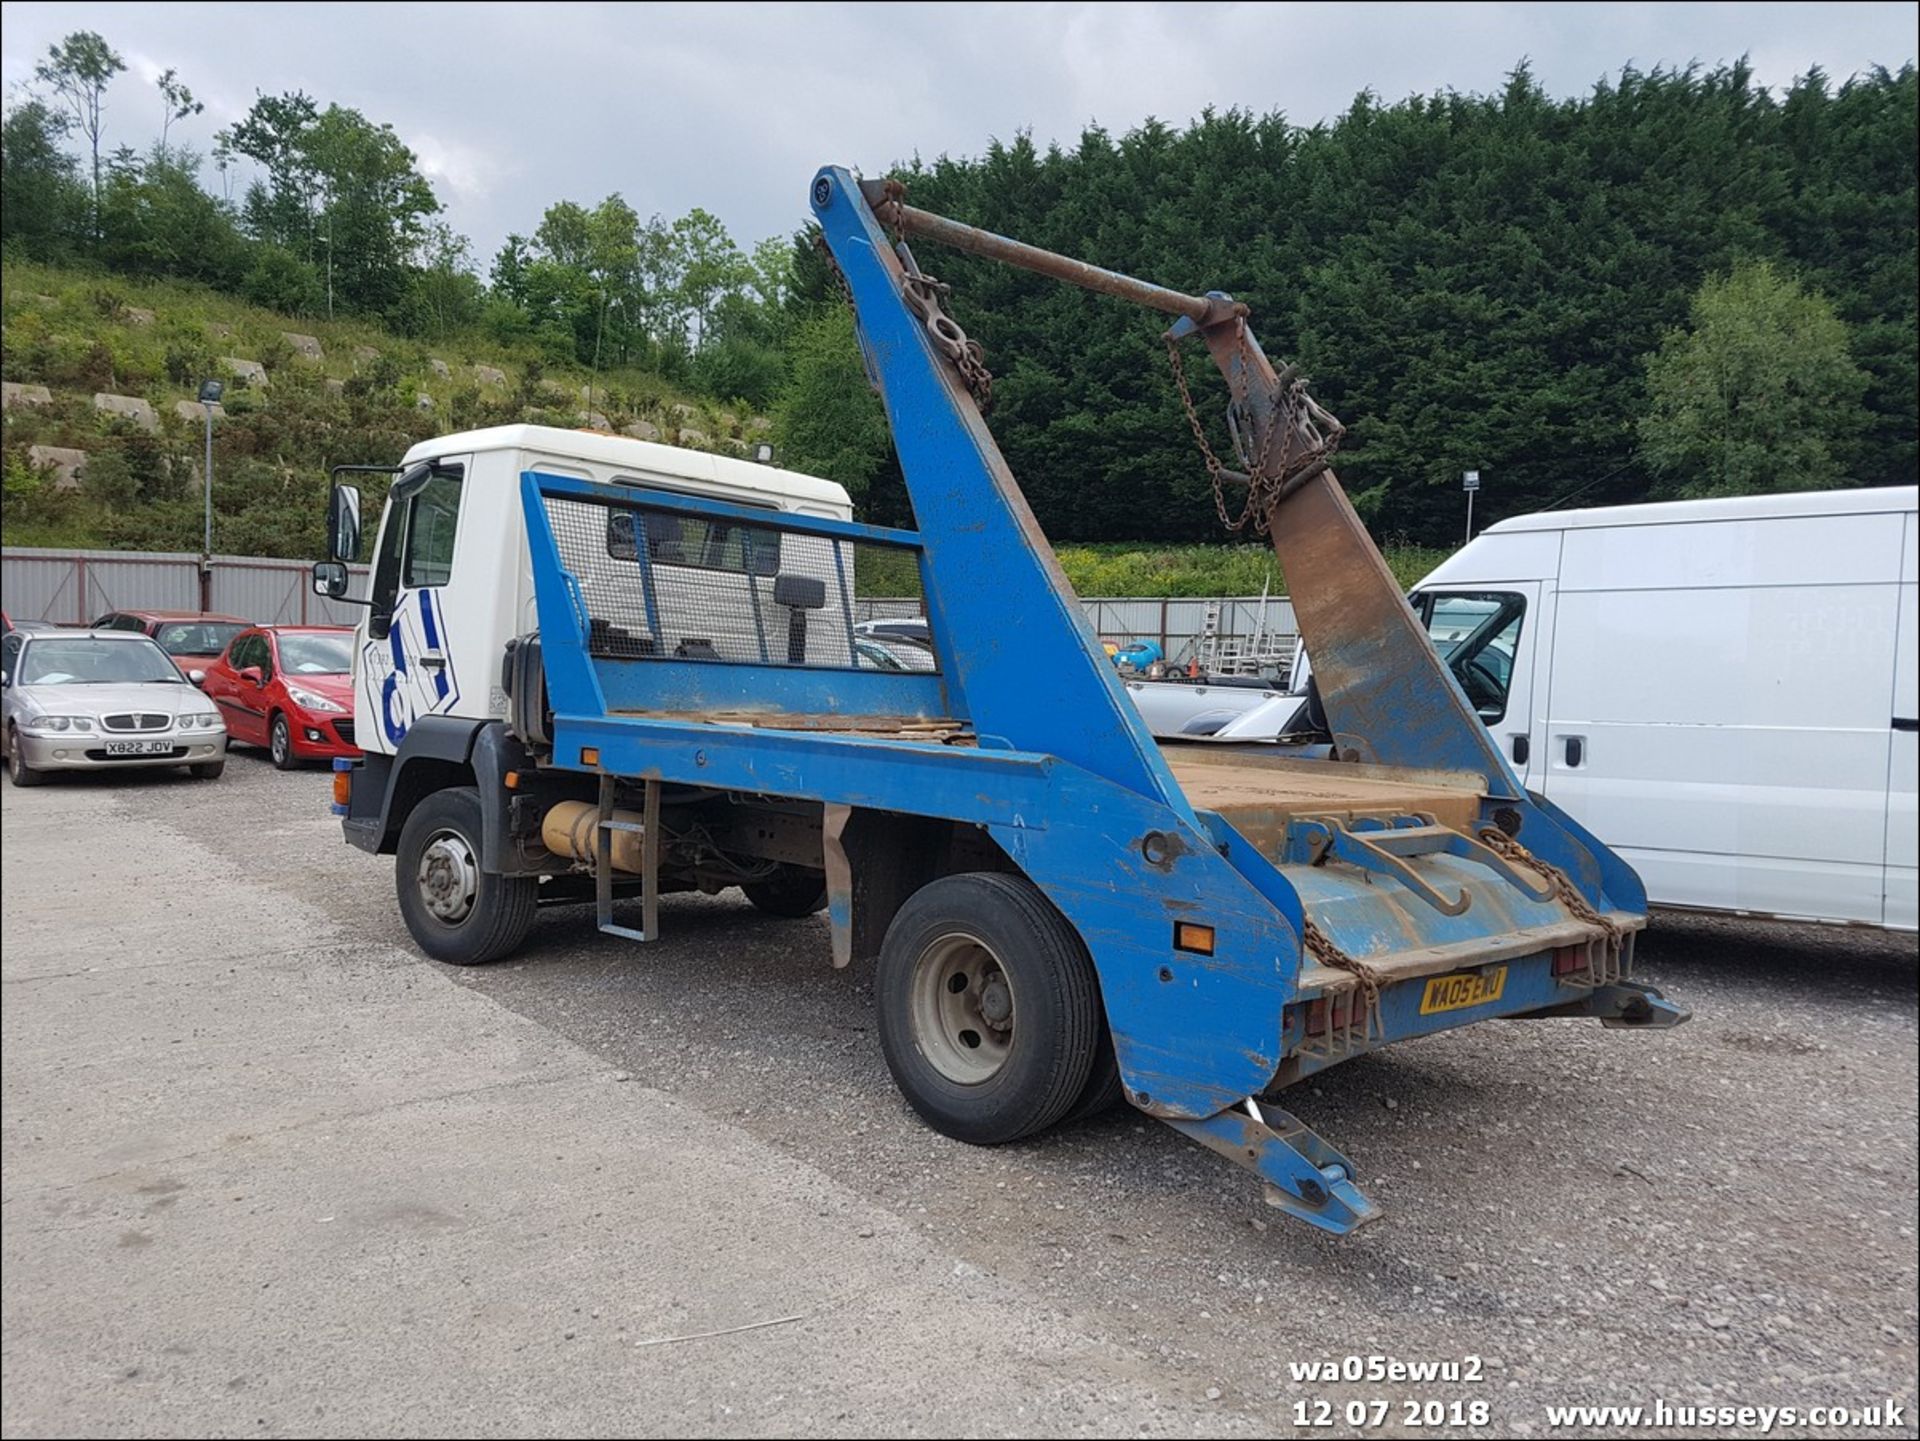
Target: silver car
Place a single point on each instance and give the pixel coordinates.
(97, 700)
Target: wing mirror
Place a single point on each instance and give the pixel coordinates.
(330, 579)
(197, 677)
(253, 675)
(343, 522)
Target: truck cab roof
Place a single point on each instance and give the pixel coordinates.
(548, 446)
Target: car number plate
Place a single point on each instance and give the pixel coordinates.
(138, 748)
(1458, 992)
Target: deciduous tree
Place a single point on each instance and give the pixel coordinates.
(1756, 393)
(78, 70)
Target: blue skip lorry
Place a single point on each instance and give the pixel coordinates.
(599, 669)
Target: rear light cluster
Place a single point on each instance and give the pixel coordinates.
(1568, 959)
(1338, 1009)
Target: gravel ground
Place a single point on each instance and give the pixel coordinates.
(1719, 1215)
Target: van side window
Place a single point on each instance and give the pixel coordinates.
(1478, 635)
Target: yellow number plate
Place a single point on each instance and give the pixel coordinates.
(1456, 993)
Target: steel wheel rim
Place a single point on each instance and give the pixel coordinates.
(448, 877)
(282, 741)
(963, 1009)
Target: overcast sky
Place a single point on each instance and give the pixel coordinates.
(733, 107)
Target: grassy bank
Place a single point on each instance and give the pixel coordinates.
(1117, 568)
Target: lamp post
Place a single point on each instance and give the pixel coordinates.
(210, 393)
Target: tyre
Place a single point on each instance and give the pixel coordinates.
(1104, 1089)
(791, 891)
(208, 770)
(988, 1008)
(280, 744)
(18, 771)
(457, 912)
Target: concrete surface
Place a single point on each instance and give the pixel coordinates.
(267, 1172)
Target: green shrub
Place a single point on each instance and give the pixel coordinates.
(109, 480)
(280, 280)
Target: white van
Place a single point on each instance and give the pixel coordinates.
(1722, 690)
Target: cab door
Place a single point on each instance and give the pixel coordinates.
(1488, 635)
(407, 664)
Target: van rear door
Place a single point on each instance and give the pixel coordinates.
(1903, 817)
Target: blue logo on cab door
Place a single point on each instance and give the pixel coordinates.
(411, 671)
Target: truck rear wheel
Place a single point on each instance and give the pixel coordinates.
(791, 891)
(1104, 1090)
(457, 912)
(989, 1008)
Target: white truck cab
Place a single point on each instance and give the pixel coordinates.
(1722, 690)
(452, 582)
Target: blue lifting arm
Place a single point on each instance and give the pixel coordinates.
(1388, 696)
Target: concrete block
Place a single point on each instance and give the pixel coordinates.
(14, 396)
(365, 354)
(594, 420)
(423, 401)
(251, 371)
(134, 315)
(695, 437)
(307, 347)
(337, 387)
(489, 375)
(641, 430)
(127, 407)
(194, 411)
(439, 367)
(66, 465)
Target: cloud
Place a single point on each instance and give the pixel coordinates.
(461, 173)
(732, 106)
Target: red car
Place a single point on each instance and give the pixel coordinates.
(288, 688)
(194, 640)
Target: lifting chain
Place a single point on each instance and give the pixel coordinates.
(1293, 412)
(926, 298)
(1321, 947)
(1564, 890)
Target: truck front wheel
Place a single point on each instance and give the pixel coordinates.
(457, 912)
(989, 1008)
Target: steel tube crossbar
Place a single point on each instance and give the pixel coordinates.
(1197, 308)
